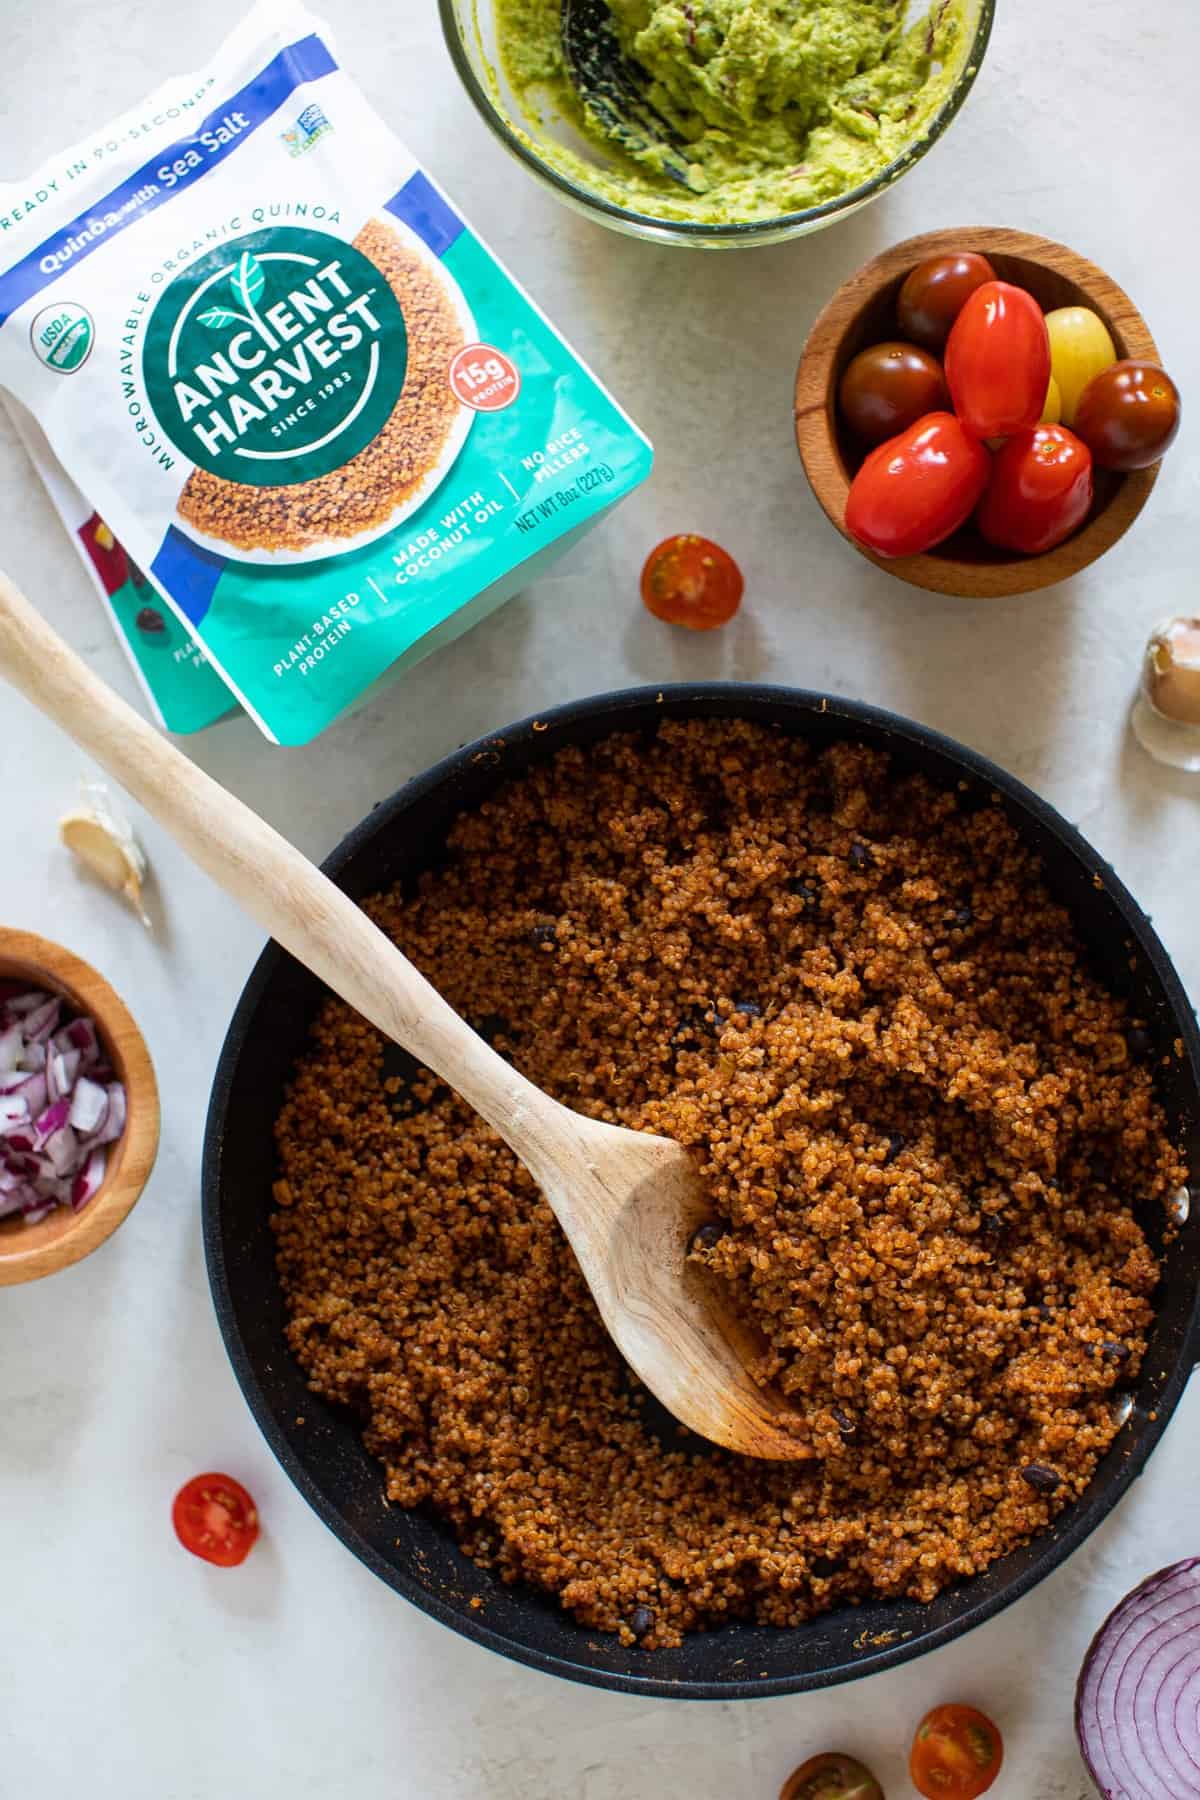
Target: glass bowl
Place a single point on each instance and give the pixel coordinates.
(470, 30)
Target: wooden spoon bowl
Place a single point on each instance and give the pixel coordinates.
(27, 1252)
(863, 312)
(628, 1201)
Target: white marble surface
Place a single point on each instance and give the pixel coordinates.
(129, 1670)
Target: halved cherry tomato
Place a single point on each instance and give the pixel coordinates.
(1129, 415)
(998, 361)
(956, 1754)
(1040, 490)
(935, 293)
(691, 581)
(215, 1518)
(831, 1777)
(918, 488)
(1080, 346)
(888, 387)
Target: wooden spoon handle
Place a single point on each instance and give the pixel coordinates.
(267, 876)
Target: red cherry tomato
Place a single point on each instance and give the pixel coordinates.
(998, 361)
(956, 1754)
(215, 1518)
(1040, 490)
(1129, 415)
(935, 293)
(918, 488)
(690, 581)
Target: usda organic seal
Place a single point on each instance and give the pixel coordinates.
(62, 336)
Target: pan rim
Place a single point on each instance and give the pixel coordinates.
(1054, 1546)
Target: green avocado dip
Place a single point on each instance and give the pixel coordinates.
(779, 104)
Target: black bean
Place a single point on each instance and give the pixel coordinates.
(641, 1621)
(1113, 1352)
(860, 856)
(1139, 1041)
(151, 621)
(822, 1567)
(962, 918)
(843, 1421)
(803, 892)
(708, 1235)
(1043, 1311)
(994, 1225)
(1042, 1478)
(895, 1145)
(749, 1009)
(690, 1031)
(492, 1026)
(544, 934)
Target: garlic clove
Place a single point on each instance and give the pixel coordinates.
(1166, 713)
(1171, 677)
(103, 841)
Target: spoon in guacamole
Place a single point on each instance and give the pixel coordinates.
(612, 88)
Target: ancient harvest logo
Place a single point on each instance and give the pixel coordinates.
(276, 358)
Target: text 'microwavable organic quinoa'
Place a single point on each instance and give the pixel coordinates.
(364, 492)
(923, 1120)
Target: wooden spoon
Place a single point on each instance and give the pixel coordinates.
(628, 1202)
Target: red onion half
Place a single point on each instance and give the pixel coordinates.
(1137, 1705)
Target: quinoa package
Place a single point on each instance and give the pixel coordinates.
(182, 689)
(295, 385)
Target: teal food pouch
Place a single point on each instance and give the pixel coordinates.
(183, 692)
(295, 385)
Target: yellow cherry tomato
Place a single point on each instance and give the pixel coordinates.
(1052, 411)
(1080, 348)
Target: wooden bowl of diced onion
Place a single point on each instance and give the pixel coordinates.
(65, 1235)
(862, 312)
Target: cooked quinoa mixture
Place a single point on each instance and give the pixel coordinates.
(924, 1125)
(365, 491)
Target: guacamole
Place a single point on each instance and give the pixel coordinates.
(778, 105)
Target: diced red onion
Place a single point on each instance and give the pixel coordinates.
(61, 1105)
(12, 1043)
(62, 1151)
(50, 1121)
(81, 1035)
(87, 1182)
(1137, 1705)
(14, 1111)
(114, 1119)
(33, 1091)
(39, 1024)
(89, 1107)
(27, 1002)
(62, 1071)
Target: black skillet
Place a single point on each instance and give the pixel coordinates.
(323, 1455)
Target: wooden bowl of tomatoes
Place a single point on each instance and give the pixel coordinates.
(913, 412)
